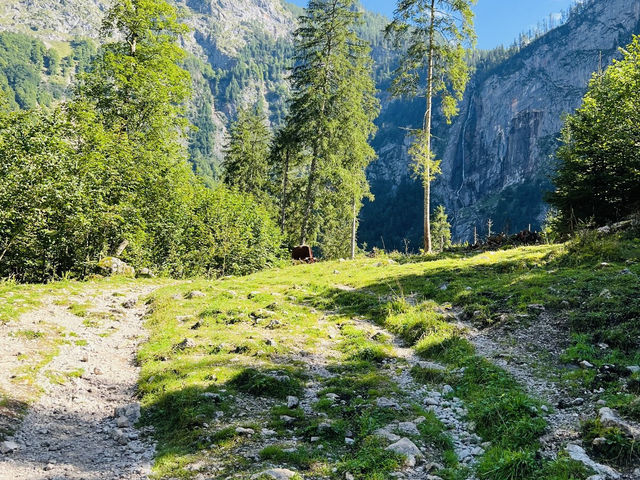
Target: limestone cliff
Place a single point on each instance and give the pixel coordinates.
(497, 155)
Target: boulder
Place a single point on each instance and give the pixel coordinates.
(111, 266)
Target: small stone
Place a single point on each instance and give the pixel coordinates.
(123, 422)
(97, 371)
(606, 293)
(186, 343)
(84, 359)
(407, 448)
(293, 402)
(268, 433)
(586, 365)
(544, 408)
(634, 368)
(315, 439)
(578, 401)
(8, 446)
(381, 432)
(348, 476)
(130, 303)
(325, 427)
(195, 294)
(408, 428)
(599, 442)
(276, 474)
(432, 401)
(349, 441)
(578, 454)
(384, 402)
(332, 396)
(245, 431)
(536, 308)
(447, 389)
(287, 419)
(215, 397)
(444, 287)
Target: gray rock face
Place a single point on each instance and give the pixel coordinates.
(509, 121)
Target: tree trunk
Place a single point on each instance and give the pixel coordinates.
(427, 131)
(285, 180)
(309, 197)
(354, 229)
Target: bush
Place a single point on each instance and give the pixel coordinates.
(71, 191)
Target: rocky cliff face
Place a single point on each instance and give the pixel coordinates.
(497, 156)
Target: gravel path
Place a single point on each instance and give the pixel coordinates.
(82, 425)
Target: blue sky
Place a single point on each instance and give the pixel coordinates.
(497, 21)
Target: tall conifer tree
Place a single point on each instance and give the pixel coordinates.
(247, 155)
(332, 114)
(434, 35)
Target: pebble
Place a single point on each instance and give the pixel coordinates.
(293, 402)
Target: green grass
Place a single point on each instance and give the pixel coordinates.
(250, 331)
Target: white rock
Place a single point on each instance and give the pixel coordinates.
(435, 401)
(381, 432)
(8, 447)
(609, 418)
(586, 365)
(578, 454)
(383, 402)
(276, 473)
(123, 422)
(408, 428)
(634, 368)
(245, 431)
(447, 389)
(293, 402)
(405, 447)
(268, 433)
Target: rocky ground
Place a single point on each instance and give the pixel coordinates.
(82, 424)
(294, 375)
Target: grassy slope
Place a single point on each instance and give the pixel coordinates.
(245, 329)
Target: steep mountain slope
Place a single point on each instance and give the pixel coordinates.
(497, 156)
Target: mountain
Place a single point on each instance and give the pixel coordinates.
(497, 155)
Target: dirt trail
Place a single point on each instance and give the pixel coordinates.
(71, 432)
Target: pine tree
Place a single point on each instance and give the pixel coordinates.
(433, 35)
(441, 229)
(332, 113)
(247, 155)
